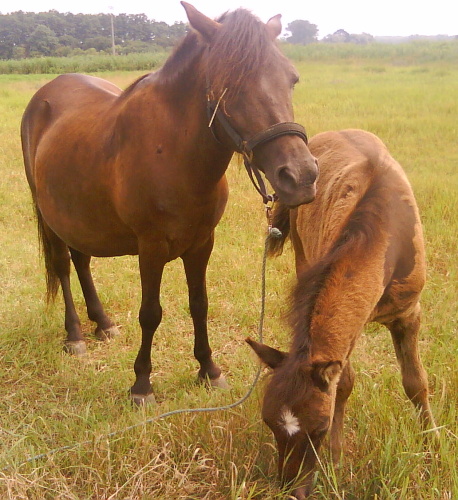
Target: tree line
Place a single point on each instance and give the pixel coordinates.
(29, 34)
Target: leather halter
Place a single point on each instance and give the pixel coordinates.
(245, 147)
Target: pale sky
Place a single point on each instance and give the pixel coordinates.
(382, 17)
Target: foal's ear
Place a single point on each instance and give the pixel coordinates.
(268, 355)
(201, 23)
(324, 373)
(274, 26)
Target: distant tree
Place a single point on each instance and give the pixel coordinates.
(361, 39)
(302, 32)
(14, 30)
(42, 41)
(99, 43)
(341, 36)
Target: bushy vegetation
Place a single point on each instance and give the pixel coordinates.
(410, 53)
(50, 400)
(84, 64)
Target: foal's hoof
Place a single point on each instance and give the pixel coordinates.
(75, 347)
(142, 400)
(107, 333)
(219, 382)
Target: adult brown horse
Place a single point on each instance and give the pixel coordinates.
(359, 258)
(141, 172)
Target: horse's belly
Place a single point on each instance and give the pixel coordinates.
(101, 241)
(93, 229)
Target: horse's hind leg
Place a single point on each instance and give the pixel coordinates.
(105, 327)
(344, 389)
(404, 331)
(195, 264)
(58, 264)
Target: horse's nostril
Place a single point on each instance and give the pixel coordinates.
(285, 179)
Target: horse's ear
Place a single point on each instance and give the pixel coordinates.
(201, 23)
(268, 355)
(274, 26)
(324, 373)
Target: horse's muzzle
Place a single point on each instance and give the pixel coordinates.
(295, 187)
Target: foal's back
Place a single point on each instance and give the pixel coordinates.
(363, 194)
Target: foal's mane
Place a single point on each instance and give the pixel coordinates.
(358, 236)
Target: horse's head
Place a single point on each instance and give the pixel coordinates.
(249, 85)
(298, 407)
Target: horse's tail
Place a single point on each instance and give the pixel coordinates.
(46, 249)
(34, 122)
(280, 221)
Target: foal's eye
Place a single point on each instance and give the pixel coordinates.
(322, 429)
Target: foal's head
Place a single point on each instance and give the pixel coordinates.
(298, 407)
(251, 82)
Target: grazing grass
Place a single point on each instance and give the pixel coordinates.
(50, 400)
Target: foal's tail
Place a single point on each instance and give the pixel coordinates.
(46, 248)
(280, 220)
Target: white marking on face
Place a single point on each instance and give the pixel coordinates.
(289, 422)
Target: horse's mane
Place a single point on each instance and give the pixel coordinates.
(239, 48)
(132, 86)
(358, 237)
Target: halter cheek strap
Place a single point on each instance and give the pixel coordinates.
(245, 147)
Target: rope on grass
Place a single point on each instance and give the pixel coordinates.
(272, 233)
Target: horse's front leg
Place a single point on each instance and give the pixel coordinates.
(152, 259)
(344, 388)
(195, 264)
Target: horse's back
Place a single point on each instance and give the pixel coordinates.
(361, 185)
(347, 162)
(73, 90)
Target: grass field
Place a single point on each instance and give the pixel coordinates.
(50, 400)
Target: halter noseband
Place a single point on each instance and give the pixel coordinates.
(245, 147)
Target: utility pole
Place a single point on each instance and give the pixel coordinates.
(113, 50)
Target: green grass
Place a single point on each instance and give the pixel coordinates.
(50, 400)
(83, 64)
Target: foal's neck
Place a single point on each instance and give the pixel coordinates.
(344, 304)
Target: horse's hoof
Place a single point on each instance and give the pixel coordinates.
(219, 382)
(107, 333)
(75, 347)
(142, 400)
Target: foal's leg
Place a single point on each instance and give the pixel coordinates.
(152, 259)
(404, 332)
(60, 260)
(195, 264)
(344, 389)
(105, 327)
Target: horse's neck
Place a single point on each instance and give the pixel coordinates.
(173, 109)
